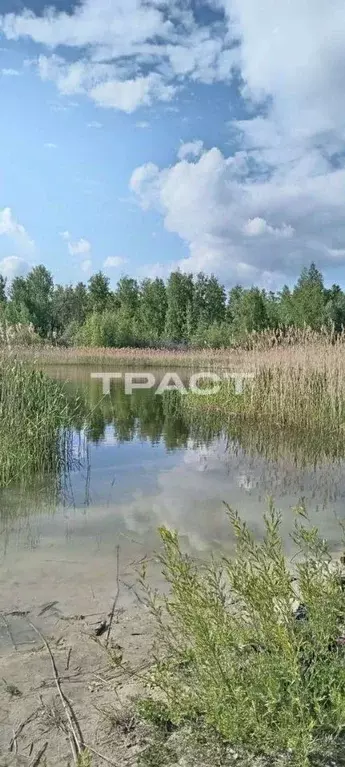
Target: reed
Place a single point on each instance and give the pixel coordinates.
(257, 349)
(35, 416)
(306, 395)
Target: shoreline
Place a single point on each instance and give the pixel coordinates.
(315, 354)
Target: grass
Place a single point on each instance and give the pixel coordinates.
(234, 667)
(50, 355)
(34, 419)
(304, 394)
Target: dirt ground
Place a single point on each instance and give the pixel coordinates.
(100, 690)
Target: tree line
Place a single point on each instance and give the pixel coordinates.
(186, 309)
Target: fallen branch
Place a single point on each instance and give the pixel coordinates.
(76, 739)
(68, 658)
(116, 596)
(20, 728)
(15, 742)
(35, 762)
(101, 756)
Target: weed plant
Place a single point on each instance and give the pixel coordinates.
(236, 662)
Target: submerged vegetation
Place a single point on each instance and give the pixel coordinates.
(247, 657)
(35, 421)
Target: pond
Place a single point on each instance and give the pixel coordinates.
(141, 464)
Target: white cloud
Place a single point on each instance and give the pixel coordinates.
(294, 53)
(13, 266)
(255, 227)
(16, 232)
(232, 223)
(190, 149)
(79, 247)
(114, 262)
(142, 124)
(287, 182)
(134, 35)
(86, 265)
(128, 95)
(50, 145)
(10, 72)
(275, 203)
(105, 84)
(94, 124)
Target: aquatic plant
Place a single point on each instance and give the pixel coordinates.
(304, 395)
(35, 416)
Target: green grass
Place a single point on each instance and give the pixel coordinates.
(35, 416)
(233, 664)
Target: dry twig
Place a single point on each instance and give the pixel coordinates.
(76, 739)
(116, 596)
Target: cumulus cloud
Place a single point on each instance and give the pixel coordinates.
(293, 52)
(79, 248)
(255, 227)
(105, 84)
(190, 149)
(140, 34)
(232, 222)
(276, 200)
(13, 266)
(76, 248)
(128, 95)
(287, 182)
(16, 232)
(113, 262)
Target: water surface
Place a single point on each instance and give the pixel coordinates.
(142, 464)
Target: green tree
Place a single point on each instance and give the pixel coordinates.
(286, 307)
(179, 296)
(81, 302)
(309, 299)
(208, 306)
(335, 312)
(234, 304)
(272, 309)
(62, 307)
(247, 310)
(39, 286)
(153, 308)
(99, 292)
(214, 301)
(3, 296)
(31, 300)
(127, 294)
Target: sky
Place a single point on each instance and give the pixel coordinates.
(141, 136)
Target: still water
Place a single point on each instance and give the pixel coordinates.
(141, 464)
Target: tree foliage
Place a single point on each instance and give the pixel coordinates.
(184, 310)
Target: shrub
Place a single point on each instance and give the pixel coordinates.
(235, 659)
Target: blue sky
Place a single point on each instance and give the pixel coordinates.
(140, 136)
